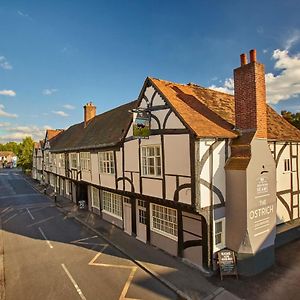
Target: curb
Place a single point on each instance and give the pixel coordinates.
(2, 275)
(168, 284)
(172, 287)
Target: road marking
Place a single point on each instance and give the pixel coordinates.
(74, 282)
(31, 216)
(130, 278)
(42, 221)
(6, 210)
(127, 284)
(20, 196)
(11, 217)
(44, 236)
(82, 241)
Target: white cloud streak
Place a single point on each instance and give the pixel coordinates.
(5, 114)
(48, 92)
(10, 93)
(4, 64)
(60, 113)
(292, 39)
(283, 86)
(17, 133)
(69, 106)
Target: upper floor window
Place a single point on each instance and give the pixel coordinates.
(287, 165)
(73, 160)
(61, 160)
(106, 162)
(85, 161)
(151, 160)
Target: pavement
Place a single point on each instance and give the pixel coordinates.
(186, 281)
(279, 282)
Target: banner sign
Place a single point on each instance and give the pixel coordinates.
(141, 124)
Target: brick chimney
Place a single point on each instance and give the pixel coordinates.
(89, 113)
(250, 96)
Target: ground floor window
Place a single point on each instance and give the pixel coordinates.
(112, 204)
(95, 198)
(219, 234)
(164, 220)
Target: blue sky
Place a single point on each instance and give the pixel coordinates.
(57, 55)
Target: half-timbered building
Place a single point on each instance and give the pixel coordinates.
(215, 171)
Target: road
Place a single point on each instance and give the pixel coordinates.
(50, 256)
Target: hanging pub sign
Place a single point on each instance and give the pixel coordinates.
(141, 124)
(227, 263)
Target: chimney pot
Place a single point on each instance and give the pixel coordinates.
(253, 55)
(243, 59)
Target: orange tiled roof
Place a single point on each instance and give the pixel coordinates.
(210, 113)
(51, 133)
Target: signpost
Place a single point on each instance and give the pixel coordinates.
(227, 263)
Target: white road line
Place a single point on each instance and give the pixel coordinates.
(7, 209)
(74, 282)
(42, 221)
(44, 236)
(11, 217)
(31, 216)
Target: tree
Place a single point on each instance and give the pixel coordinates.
(25, 154)
(294, 119)
(11, 146)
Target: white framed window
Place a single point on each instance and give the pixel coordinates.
(164, 220)
(219, 234)
(73, 160)
(106, 162)
(95, 197)
(85, 161)
(151, 160)
(287, 165)
(61, 160)
(112, 204)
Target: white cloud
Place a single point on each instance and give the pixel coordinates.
(4, 124)
(49, 92)
(4, 64)
(18, 132)
(10, 93)
(69, 106)
(293, 38)
(6, 114)
(228, 86)
(282, 86)
(60, 113)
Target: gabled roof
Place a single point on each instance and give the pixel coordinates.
(105, 130)
(52, 133)
(210, 113)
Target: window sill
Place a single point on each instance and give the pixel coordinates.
(112, 215)
(170, 236)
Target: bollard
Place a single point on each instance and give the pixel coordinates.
(55, 199)
(45, 191)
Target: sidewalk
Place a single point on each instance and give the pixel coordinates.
(185, 281)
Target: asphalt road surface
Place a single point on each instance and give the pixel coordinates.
(50, 256)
